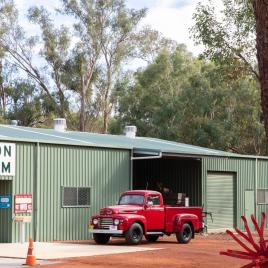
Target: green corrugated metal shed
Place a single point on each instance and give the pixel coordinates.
(47, 160)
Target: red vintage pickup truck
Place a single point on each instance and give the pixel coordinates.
(142, 212)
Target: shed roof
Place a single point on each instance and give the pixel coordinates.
(138, 144)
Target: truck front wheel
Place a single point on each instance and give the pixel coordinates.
(101, 239)
(185, 235)
(134, 234)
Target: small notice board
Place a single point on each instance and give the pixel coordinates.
(5, 201)
(23, 203)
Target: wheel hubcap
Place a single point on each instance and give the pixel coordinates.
(186, 233)
(136, 234)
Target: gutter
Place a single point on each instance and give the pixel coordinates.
(147, 157)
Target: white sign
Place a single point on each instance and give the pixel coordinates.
(23, 203)
(7, 159)
(23, 218)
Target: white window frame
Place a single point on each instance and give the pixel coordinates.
(265, 196)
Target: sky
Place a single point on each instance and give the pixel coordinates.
(172, 18)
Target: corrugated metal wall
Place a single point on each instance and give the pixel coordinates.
(106, 171)
(262, 183)
(21, 183)
(43, 169)
(245, 173)
(178, 174)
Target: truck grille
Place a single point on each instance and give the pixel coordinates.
(105, 223)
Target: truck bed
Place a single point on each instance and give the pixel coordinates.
(172, 211)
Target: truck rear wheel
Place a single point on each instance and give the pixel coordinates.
(101, 239)
(185, 235)
(151, 238)
(134, 234)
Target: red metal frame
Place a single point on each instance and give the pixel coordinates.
(257, 252)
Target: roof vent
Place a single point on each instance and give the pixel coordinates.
(60, 124)
(14, 122)
(130, 131)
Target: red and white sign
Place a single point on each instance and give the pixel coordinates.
(23, 203)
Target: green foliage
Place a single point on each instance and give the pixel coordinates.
(25, 105)
(184, 99)
(147, 44)
(104, 30)
(211, 102)
(56, 43)
(20, 50)
(228, 35)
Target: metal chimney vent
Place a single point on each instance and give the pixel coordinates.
(130, 131)
(60, 124)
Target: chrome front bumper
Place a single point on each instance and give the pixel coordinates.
(105, 231)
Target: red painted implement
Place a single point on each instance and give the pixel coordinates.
(257, 252)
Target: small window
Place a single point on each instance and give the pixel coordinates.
(262, 196)
(76, 196)
(154, 199)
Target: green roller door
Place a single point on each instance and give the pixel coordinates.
(221, 200)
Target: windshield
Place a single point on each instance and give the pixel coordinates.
(132, 199)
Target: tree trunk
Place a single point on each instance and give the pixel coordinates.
(82, 118)
(105, 122)
(2, 91)
(106, 112)
(62, 104)
(60, 94)
(82, 108)
(261, 16)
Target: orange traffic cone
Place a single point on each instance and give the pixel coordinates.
(30, 260)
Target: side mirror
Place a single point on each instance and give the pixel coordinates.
(150, 203)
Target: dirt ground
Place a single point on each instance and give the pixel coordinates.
(201, 252)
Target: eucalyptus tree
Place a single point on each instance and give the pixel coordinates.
(228, 35)
(149, 43)
(234, 38)
(104, 29)
(117, 46)
(88, 27)
(261, 16)
(20, 50)
(26, 104)
(2, 89)
(55, 51)
(185, 99)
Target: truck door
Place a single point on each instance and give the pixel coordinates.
(154, 213)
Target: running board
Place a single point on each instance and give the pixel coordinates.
(154, 233)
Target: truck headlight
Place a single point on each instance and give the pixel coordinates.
(95, 221)
(116, 221)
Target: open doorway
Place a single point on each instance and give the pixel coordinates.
(180, 175)
(5, 213)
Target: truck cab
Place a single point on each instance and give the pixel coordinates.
(142, 212)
